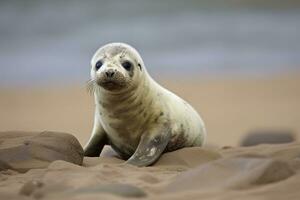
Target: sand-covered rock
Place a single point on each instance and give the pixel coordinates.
(22, 151)
(268, 137)
(285, 152)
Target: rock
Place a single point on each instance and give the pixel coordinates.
(267, 137)
(232, 173)
(286, 152)
(22, 151)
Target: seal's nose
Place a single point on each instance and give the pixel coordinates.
(110, 73)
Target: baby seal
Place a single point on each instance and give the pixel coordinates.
(134, 114)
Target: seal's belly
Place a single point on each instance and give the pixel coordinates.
(123, 141)
(122, 148)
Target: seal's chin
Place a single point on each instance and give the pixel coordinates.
(111, 85)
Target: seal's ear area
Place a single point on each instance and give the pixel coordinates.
(150, 148)
(140, 66)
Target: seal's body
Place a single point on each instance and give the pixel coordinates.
(135, 115)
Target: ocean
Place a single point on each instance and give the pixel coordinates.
(52, 42)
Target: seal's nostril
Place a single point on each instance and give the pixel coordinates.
(110, 74)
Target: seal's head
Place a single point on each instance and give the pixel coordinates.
(116, 66)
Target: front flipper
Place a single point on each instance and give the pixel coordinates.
(97, 140)
(151, 147)
(95, 144)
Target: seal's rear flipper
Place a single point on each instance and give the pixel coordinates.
(150, 148)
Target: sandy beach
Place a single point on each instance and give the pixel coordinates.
(221, 170)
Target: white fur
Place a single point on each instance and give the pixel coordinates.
(175, 111)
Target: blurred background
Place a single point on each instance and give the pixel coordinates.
(236, 61)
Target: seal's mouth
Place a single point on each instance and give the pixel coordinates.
(110, 84)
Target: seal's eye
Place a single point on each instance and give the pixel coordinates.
(127, 65)
(98, 65)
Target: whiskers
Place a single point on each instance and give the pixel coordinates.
(91, 86)
(124, 85)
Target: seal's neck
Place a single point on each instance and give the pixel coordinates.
(133, 98)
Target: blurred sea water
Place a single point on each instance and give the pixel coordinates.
(44, 42)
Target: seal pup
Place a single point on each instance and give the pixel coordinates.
(134, 114)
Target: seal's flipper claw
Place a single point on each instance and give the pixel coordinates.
(149, 149)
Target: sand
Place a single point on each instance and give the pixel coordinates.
(260, 172)
(230, 108)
